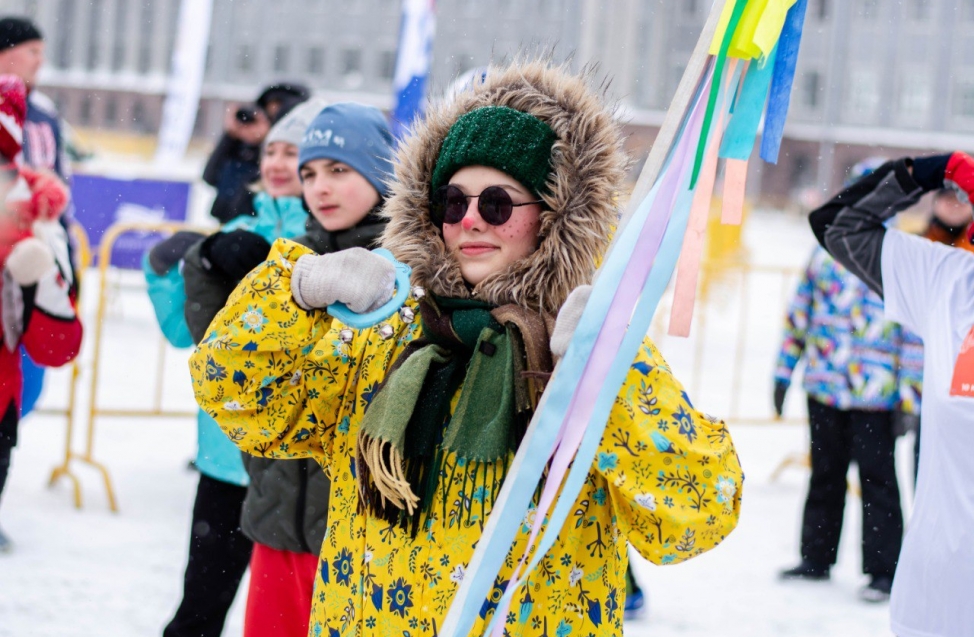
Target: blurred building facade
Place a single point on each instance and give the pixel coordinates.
(875, 77)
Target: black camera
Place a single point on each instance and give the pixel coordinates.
(247, 114)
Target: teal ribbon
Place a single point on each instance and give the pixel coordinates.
(742, 130)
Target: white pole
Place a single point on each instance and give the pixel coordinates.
(185, 80)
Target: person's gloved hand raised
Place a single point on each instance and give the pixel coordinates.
(954, 170)
(568, 317)
(780, 389)
(234, 253)
(166, 254)
(363, 281)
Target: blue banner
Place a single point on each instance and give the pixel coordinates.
(412, 63)
(101, 202)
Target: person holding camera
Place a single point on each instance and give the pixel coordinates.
(235, 162)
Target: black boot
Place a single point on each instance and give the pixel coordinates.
(877, 590)
(807, 571)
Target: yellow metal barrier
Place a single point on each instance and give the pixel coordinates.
(729, 312)
(94, 411)
(724, 282)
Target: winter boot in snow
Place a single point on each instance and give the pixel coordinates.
(877, 590)
(806, 571)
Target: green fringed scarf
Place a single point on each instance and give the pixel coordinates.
(499, 356)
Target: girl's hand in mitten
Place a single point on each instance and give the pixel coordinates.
(363, 281)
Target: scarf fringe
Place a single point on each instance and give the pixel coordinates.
(382, 478)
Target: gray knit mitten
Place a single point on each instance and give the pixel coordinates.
(361, 280)
(568, 317)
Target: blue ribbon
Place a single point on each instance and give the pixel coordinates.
(784, 76)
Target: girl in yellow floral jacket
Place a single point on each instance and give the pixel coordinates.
(503, 201)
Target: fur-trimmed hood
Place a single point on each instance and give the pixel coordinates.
(588, 166)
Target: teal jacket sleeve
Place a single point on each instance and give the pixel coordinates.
(168, 295)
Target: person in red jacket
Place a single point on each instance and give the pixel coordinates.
(38, 289)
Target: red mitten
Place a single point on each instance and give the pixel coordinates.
(13, 112)
(49, 195)
(960, 175)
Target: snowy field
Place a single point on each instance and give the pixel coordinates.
(92, 572)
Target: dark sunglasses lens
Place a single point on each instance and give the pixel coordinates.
(456, 205)
(495, 206)
(445, 203)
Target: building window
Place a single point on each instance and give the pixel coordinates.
(964, 100)
(802, 174)
(822, 9)
(245, 61)
(811, 89)
(145, 39)
(139, 122)
(199, 126)
(84, 111)
(111, 111)
(97, 11)
(351, 61)
(316, 60)
(280, 58)
(387, 65)
(916, 96)
(919, 10)
(351, 67)
(868, 9)
(118, 48)
(863, 99)
(63, 33)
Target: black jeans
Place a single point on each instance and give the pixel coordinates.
(218, 557)
(8, 440)
(866, 437)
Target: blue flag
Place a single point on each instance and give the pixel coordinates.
(412, 63)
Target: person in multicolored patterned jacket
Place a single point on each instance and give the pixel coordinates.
(860, 370)
(503, 201)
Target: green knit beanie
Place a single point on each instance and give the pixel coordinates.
(509, 140)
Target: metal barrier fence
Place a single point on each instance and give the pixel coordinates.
(726, 364)
(96, 331)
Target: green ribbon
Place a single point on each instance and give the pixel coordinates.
(715, 88)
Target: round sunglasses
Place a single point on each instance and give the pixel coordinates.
(449, 205)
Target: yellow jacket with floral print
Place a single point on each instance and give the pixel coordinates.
(283, 383)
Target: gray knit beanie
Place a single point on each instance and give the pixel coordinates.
(292, 126)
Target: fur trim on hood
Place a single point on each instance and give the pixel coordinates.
(588, 166)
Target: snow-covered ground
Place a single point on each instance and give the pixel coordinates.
(91, 572)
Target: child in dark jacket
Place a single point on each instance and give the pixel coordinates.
(219, 549)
